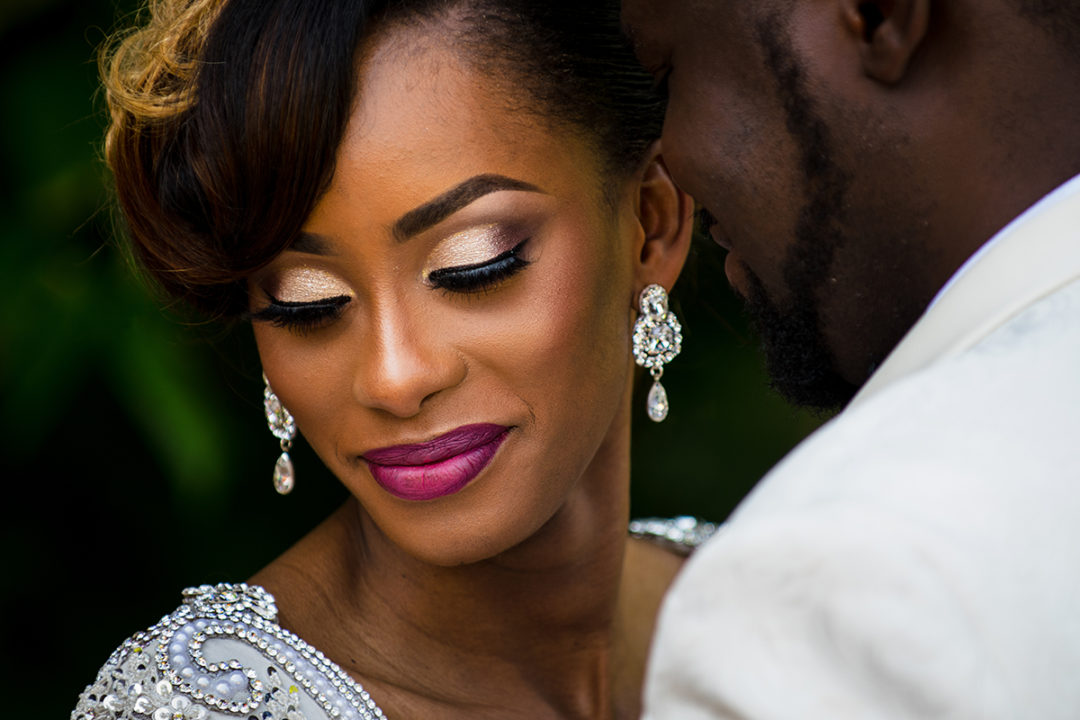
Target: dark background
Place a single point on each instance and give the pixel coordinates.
(136, 460)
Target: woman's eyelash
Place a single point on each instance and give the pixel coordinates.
(301, 316)
(481, 276)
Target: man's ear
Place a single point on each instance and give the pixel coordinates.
(666, 215)
(888, 32)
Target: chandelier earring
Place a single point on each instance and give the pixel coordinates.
(283, 428)
(657, 340)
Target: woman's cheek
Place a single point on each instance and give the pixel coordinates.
(310, 376)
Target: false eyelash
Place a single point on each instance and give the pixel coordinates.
(300, 317)
(467, 279)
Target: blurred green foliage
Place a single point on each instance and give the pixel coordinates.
(136, 454)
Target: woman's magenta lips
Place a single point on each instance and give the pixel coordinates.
(439, 467)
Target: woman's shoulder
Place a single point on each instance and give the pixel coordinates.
(681, 535)
(222, 654)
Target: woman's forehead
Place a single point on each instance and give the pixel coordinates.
(425, 119)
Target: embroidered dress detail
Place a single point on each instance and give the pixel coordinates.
(223, 655)
(681, 535)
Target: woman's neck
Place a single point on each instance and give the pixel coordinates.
(479, 630)
(537, 630)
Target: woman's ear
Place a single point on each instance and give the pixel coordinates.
(666, 215)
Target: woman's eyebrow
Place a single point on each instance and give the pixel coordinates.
(312, 244)
(435, 211)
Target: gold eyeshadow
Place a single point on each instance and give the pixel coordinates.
(308, 284)
(472, 246)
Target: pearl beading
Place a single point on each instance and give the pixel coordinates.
(187, 685)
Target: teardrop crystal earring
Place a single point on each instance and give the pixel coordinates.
(283, 427)
(657, 340)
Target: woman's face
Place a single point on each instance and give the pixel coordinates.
(463, 286)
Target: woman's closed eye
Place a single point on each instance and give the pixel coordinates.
(309, 315)
(303, 298)
(301, 317)
(482, 276)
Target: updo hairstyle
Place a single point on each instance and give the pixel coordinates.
(226, 116)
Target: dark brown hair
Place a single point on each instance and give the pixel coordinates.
(226, 116)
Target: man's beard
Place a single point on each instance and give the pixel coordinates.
(800, 364)
(797, 357)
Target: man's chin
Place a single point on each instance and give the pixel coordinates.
(798, 361)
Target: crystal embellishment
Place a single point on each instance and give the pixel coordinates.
(284, 477)
(657, 340)
(682, 534)
(184, 668)
(657, 332)
(283, 427)
(657, 404)
(280, 420)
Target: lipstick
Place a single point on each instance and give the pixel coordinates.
(439, 467)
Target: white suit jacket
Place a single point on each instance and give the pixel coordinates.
(918, 556)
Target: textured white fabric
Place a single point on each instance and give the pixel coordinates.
(222, 655)
(919, 556)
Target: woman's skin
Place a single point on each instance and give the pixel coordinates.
(519, 596)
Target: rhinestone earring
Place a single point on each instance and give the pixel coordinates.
(283, 427)
(657, 340)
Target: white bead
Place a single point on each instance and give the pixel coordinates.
(284, 475)
(657, 405)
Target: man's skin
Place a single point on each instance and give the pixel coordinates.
(855, 154)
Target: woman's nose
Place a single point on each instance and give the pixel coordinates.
(404, 361)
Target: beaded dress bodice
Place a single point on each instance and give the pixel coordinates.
(222, 655)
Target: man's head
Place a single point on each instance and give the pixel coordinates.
(853, 154)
